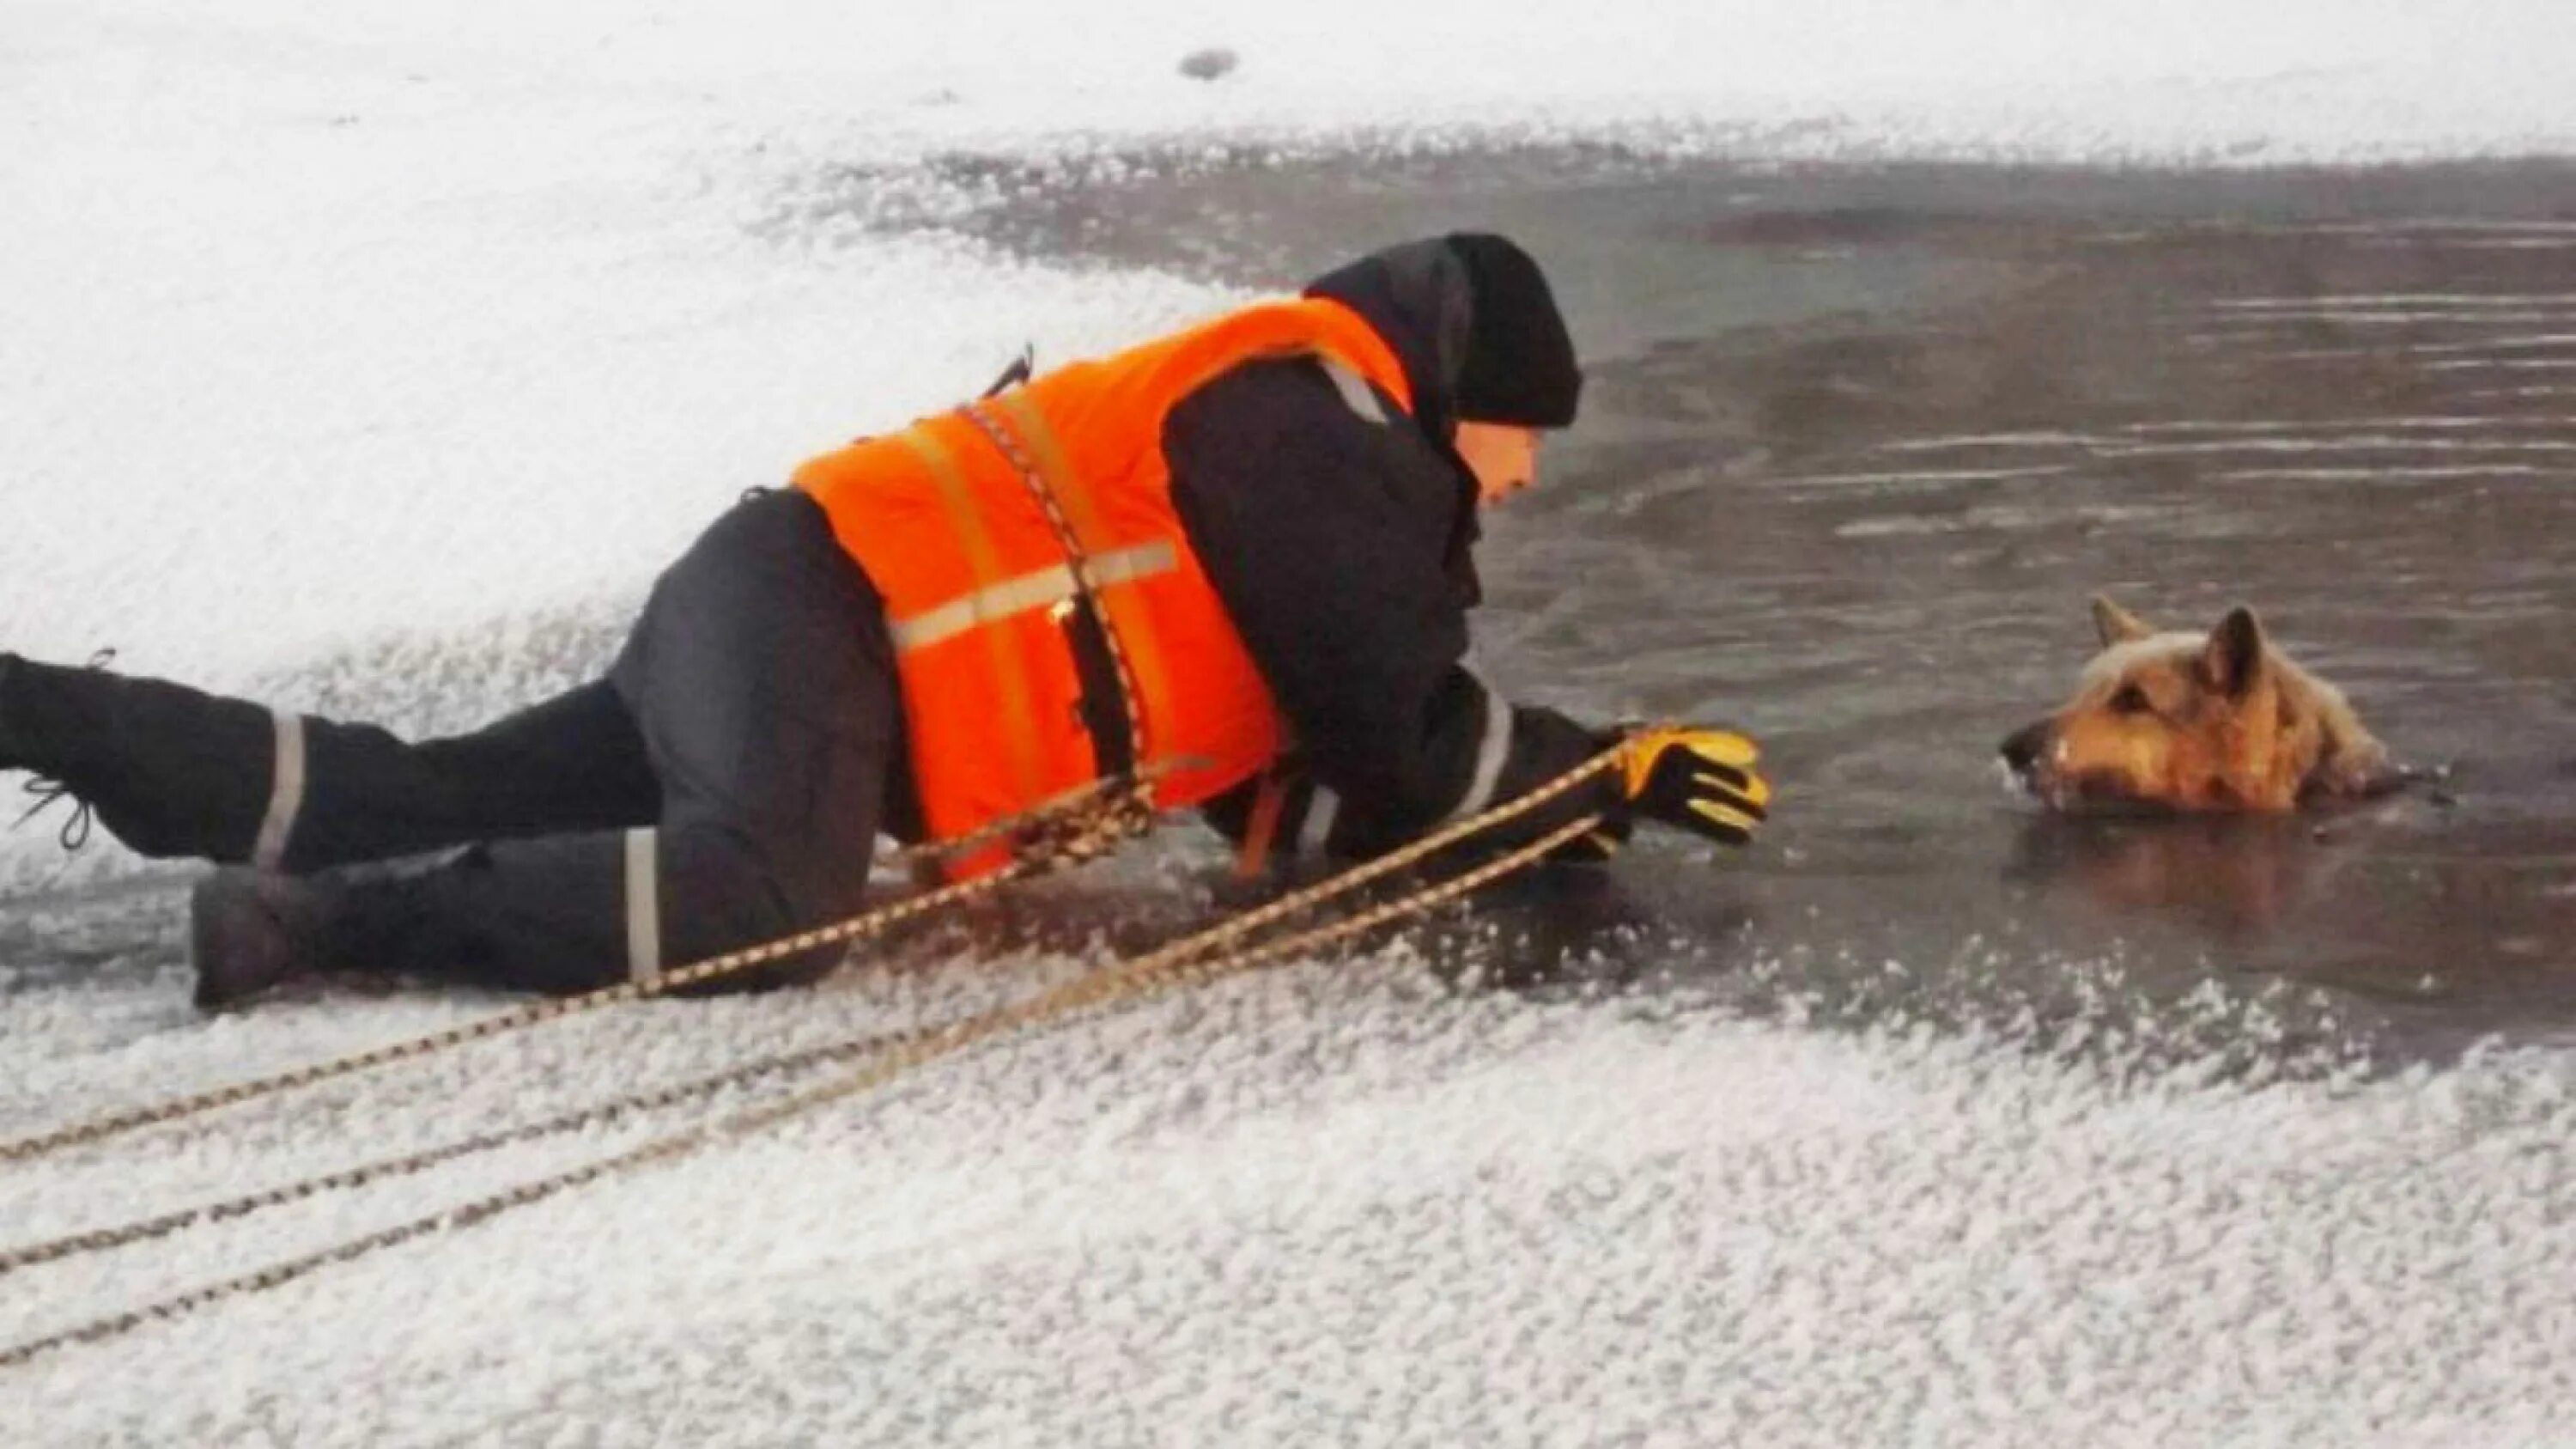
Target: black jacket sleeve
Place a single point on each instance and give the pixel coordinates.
(1335, 541)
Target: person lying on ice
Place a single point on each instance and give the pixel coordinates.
(1275, 507)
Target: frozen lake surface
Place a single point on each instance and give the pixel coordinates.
(371, 361)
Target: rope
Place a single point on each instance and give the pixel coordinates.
(1184, 962)
(1167, 967)
(99, 1240)
(103, 1239)
(1086, 587)
(1084, 833)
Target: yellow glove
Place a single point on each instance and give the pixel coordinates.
(1699, 779)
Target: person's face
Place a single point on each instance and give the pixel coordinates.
(1503, 456)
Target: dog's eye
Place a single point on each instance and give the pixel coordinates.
(2131, 700)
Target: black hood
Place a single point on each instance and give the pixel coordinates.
(1418, 298)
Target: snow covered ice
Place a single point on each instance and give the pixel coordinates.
(373, 356)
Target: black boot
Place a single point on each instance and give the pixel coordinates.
(251, 932)
(547, 915)
(170, 770)
(17, 747)
(254, 932)
(549, 921)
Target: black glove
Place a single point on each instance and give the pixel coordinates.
(1593, 847)
(1699, 779)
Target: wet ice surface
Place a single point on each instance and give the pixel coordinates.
(1928, 1119)
(1859, 445)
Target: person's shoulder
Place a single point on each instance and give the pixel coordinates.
(1307, 391)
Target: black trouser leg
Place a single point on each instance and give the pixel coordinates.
(174, 771)
(762, 683)
(170, 770)
(572, 763)
(763, 679)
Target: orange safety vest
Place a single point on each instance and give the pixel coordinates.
(956, 536)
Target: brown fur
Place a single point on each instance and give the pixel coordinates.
(2199, 723)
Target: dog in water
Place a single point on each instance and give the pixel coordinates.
(2193, 722)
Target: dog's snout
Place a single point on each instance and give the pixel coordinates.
(2021, 749)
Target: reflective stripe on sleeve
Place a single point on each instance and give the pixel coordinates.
(643, 905)
(1028, 591)
(1353, 388)
(285, 793)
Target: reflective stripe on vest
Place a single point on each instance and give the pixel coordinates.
(1051, 585)
(1009, 686)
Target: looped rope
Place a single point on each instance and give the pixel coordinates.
(633, 1103)
(49, 792)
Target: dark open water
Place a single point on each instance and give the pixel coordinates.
(1858, 445)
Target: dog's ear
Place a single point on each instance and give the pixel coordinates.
(2233, 658)
(2115, 624)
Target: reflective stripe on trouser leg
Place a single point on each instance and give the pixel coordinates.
(285, 793)
(643, 905)
(1491, 751)
(1317, 827)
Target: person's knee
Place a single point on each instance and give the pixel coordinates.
(804, 968)
(725, 897)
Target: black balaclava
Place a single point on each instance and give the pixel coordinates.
(1475, 325)
(1520, 365)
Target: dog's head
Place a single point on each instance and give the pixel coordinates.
(2194, 722)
